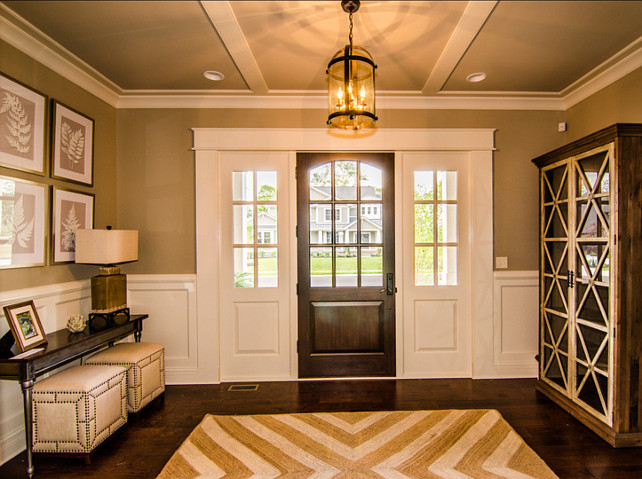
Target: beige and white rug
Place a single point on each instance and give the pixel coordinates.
(389, 444)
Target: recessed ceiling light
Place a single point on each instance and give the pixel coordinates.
(213, 75)
(476, 77)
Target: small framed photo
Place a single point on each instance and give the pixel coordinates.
(72, 158)
(71, 210)
(22, 127)
(23, 228)
(25, 325)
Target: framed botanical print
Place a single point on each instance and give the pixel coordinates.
(72, 155)
(23, 207)
(25, 325)
(71, 210)
(22, 127)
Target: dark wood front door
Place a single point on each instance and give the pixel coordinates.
(346, 287)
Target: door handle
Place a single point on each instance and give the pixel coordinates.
(390, 284)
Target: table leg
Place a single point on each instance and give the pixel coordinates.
(27, 387)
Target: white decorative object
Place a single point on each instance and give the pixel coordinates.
(76, 324)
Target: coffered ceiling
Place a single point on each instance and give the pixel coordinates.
(539, 50)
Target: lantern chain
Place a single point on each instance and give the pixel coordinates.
(350, 36)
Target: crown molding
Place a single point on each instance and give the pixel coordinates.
(618, 66)
(25, 37)
(28, 39)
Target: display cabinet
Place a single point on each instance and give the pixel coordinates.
(591, 281)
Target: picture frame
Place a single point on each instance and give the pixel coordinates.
(70, 210)
(72, 155)
(22, 126)
(23, 223)
(25, 325)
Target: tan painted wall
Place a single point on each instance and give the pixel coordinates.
(156, 172)
(17, 65)
(620, 102)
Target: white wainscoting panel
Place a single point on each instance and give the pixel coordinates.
(170, 301)
(515, 325)
(54, 304)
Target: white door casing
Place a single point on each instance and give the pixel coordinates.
(211, 144)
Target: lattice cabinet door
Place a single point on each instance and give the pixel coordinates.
(555, 304)
(591, 281)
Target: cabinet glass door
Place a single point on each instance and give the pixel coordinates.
(555, 275)
(592, 279)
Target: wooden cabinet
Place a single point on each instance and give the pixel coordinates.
(591, 281)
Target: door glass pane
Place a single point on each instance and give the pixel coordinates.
(320, 223)
(243, 267)
(243, 224)
(371, 182)
(424, 185)
(371, 223)
(267, 221)
(268, 268)
(266, 185)
(372, 266)
(447, 185)
(345, 180)
(447, 223)
(346, 266)
(320, 182)
(447, 265)
(424, 266)
(320, 267)
(243, 188)
(345, 223)
(424, 225)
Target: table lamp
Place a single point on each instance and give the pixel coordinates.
(107, 248)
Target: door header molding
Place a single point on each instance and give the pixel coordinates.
(324, 139)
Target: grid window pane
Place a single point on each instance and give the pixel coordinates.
(447, 186)
(345, 180)
(268, 268)
(320, 267)
(243, 267)
(346, 262)
(447, 223)
(243, 224)
(424, 224)
(243, 185)
(424, 266)
(424, 185)
(447, 265)
(372, 266)
(266, 185)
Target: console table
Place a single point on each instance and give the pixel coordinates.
(61, 348)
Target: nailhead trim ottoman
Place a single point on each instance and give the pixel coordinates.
(145, 363)
(78, 408)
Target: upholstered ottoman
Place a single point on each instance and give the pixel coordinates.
(145, 364)
(78, 408)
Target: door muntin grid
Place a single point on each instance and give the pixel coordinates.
(436, 228)
(592, 298)
(346, 225)
(255, 246)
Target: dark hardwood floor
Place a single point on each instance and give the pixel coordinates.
(141, 448)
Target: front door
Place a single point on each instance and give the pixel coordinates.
(346, 285)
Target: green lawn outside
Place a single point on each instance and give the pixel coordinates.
(323, 266)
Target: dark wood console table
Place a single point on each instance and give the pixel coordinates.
(62, 347)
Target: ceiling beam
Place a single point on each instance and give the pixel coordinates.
(470, 23)
(228, 28)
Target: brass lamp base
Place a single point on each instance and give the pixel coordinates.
(108, 293)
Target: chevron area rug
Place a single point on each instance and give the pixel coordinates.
(390, 444)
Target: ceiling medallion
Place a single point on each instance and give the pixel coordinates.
(351, 83)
